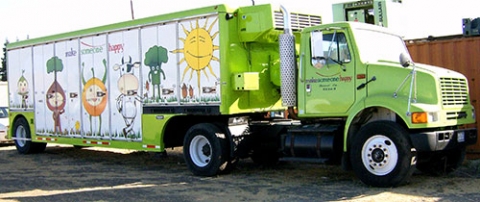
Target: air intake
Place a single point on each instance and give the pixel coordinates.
(298, 21)
(454, 91)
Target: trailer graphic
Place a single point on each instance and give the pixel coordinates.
(154, 58)
(94, 97)
(198, 52)
(250, 82)
(55, 99)
(128, 85)
(23, 89)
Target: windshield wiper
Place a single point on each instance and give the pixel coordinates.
(330, 50)
(335, 61)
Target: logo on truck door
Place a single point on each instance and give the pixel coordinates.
(198, 50)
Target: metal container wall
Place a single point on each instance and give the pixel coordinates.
(458, 53)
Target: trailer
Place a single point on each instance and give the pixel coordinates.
(253, 82)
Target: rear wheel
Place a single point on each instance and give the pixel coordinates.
(23, 138)
(382, 155)
(205, 150)
(231, 160)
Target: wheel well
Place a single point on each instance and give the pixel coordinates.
(20, 116)
(370, 115)
(178, 126)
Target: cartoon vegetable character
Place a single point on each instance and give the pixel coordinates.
(154, 58)
(55, 94)
(22, 86)
(94, 95)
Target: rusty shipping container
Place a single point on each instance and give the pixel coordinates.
(458, 53)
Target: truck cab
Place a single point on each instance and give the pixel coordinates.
(393, 114)
(360, 68)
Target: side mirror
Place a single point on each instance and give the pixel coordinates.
(316, 43)
(316, 38)
(405, 60)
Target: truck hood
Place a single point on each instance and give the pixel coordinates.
(429, 69)
(439, 71)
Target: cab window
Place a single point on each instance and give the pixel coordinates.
(335, 48)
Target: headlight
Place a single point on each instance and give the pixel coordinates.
(419, 117)
(424, 117)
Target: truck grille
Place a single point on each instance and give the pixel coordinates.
(454, 91)
(456, 115)
(299, 21)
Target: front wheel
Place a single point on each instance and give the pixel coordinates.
(205, 150)
(23, 138)
(382, 155)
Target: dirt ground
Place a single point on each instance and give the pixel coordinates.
(64, 173)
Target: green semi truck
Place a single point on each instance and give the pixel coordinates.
(250, 82)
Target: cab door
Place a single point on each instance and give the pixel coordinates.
(329, 85)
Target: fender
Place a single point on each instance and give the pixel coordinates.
(160, 122)
(397, 105)
(29, 116)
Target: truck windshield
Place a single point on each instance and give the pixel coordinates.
(379, 46)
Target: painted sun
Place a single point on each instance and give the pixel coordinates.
(198, 50)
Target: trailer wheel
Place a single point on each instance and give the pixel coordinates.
(205, 150)
(22, 137)
(442, 163)
(382, 155)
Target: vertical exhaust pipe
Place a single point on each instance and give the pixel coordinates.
(287, 64)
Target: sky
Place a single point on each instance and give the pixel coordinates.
(20, 19)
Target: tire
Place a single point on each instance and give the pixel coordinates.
(227, 142)
(382, 154)
(442, 163)
(205, 150)
(23, 138)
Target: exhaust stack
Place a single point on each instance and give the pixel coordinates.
(287, 62)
